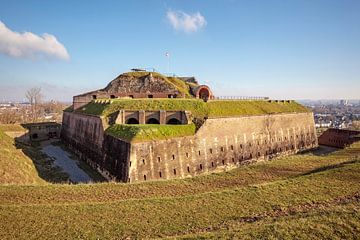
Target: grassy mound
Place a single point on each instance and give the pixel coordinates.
(148, 132)
(15, 166)
(198, 108)
(180, 85)
(302, 196)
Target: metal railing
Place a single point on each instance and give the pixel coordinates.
(240, 98)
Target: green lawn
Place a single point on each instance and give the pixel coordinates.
(302, 196)
(148, 132)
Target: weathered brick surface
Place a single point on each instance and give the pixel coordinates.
(339, 138)
(220, 144)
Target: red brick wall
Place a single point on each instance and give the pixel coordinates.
(338, 137)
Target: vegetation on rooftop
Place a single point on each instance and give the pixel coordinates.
(197, 107)
(306, 196)
(223, 108)
(148, 132)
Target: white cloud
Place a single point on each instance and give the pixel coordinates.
(188, 23)
(30, 45)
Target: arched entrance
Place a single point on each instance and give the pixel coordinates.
(173, 121)
(152, 121)
(204, 94)
(132, 121)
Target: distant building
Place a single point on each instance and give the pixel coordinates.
(339, 138)
(344, 102)
(43, 130)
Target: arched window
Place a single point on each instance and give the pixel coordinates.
(174, 121)
(132, 121)
(152, 121)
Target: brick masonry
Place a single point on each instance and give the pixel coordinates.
(339, 138)
(219, 145)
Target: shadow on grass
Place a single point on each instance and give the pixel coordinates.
(329, 167)
(321, 150)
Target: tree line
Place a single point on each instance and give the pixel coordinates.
(37, 111)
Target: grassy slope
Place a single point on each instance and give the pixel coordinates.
(148, 132)
(15, 166)
(198, 108)
(300, 196)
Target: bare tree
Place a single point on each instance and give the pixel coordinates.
(34, 96)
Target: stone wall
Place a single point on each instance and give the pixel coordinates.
(84, 134)
(339, 138)
(221, 144)
(143, 117)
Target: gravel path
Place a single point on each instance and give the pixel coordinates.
(63, 160)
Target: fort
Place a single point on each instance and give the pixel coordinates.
(146, 126)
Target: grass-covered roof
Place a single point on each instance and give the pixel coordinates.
(198, 108)
(149, 132)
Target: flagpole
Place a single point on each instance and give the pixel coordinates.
(168, 62)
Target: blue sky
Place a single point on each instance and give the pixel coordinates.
(307, 49)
